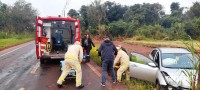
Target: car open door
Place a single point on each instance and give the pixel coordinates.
(38, 33)
(143, 68)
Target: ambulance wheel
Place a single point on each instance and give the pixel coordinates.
(42, 61)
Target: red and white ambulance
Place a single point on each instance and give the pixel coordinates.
(54, 35)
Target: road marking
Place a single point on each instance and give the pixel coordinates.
(93, 69)
(96, 72)
(21, 89)
(35, 68)
(15, 50)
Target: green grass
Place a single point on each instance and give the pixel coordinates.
(134, 84)
(15, 40)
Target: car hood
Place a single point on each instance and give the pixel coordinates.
(179, 77)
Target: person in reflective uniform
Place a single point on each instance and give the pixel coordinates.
(73, 59)
(122, 58)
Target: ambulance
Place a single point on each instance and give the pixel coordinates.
(53, 36)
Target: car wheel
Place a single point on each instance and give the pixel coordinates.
(42, 61)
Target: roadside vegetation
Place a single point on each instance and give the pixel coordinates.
(14, 39)
(135, 84)
(161, 43)
(16, 23)
(147, 21)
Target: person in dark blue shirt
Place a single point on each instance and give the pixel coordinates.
(107, 50)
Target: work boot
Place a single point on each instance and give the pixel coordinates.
(59, 85)
(81, 86)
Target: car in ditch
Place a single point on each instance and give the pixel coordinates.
(168, 68)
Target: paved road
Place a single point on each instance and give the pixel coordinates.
(20, 70)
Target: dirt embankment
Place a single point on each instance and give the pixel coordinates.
(130, 47)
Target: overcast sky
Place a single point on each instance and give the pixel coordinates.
(55, 7)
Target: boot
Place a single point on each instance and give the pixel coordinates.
(81, 86)
(59, 85)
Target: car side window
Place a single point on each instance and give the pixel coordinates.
(153, 53)
(139, 58)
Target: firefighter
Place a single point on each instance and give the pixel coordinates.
(73, 59)
(122, 58)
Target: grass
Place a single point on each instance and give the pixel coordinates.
(160, 43)
(14, 40)
(94, 56)
(135, 84)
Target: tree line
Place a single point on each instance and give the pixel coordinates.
(17, 19)
(143, 20)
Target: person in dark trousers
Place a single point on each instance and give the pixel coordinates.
(107, 50)
(87, 44)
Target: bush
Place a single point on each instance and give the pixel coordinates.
(118, 28)
(154, 32)
(3, 35)
(192, 28)
(94, 56)
(176, 32)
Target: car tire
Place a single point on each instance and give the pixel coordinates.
(42, 61)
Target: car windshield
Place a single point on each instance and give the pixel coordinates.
(178, 60)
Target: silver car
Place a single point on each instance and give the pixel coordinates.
(168, 68)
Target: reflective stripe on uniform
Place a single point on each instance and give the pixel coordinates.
(70, 57)
(78, 82)
(61, 79)
(79, 65)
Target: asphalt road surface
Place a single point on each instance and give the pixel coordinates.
(20, 70)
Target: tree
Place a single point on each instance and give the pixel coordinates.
(145, 13)
(3, 15)
(174, 6)
(96, 16)
(99, 11)
(168, 21)
(73, 13)
(176, 11)
(194, 11)
(192, 28)
(22, 16)
(114, 12)
(83, 13)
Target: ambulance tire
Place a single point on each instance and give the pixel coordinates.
(42, 61)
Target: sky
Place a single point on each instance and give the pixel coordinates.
(55, 7)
